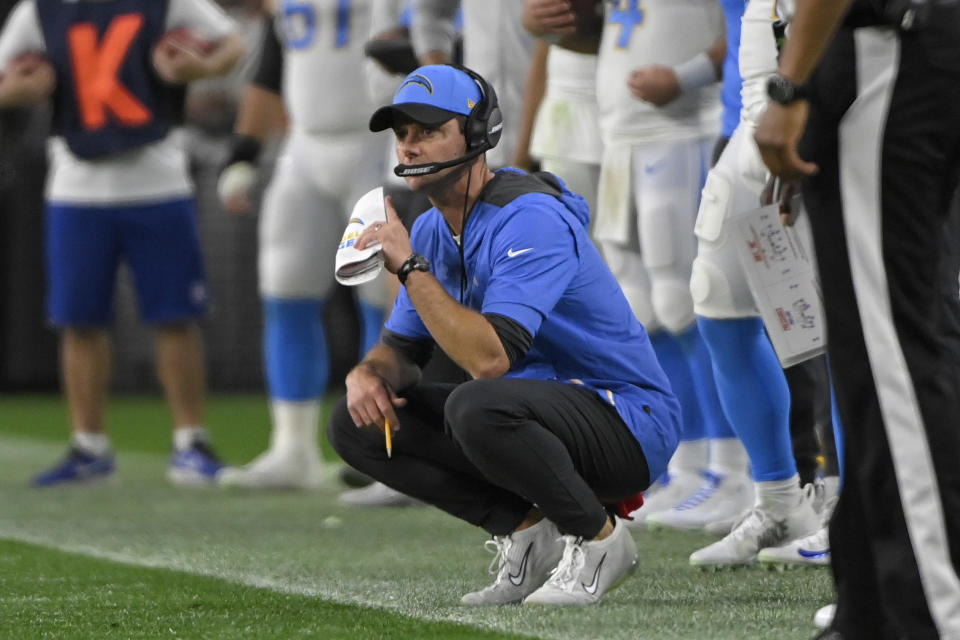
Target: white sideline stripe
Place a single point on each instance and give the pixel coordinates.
(174, 562)
(861, 138)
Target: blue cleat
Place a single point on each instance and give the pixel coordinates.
(78, 467)
(195, 467)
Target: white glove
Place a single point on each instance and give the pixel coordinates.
(234, 186)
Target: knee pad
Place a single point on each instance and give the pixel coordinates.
(642, 305)
(715, 297)
(298, 236)
(672, 303)
(627, 267)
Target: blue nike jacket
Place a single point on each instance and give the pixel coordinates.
(527, 256)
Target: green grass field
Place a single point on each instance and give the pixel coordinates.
(138, 558)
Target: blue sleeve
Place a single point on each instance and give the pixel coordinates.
(534, 258)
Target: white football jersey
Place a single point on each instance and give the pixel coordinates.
(157, 171)
(637, 33)
(495, 45)
(324, 68)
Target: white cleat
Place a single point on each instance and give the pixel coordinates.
(377, 495)
(719, 498)
(522, 564)
(667, 492)
(811, 551)
(589, 569)
(279, 470)
(758, 530)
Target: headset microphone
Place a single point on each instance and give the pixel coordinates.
(428, 168)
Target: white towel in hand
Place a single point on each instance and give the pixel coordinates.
(356, 267)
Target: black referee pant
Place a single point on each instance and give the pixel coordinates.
(487, 450)
(885, 129)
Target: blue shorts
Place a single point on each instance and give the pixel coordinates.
(159, 243)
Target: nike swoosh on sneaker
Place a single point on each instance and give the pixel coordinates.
(813, 554)
(517, 580)
(592, 587)
(514, 253)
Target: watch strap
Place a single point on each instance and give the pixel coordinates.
(415, 262)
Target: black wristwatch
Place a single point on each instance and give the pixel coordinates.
(784, 91)
(415, 262)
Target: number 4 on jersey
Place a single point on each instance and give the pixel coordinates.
(95, 68)
(628, 15)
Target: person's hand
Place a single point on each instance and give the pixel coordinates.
(782, 192)
(549, 18)
(178, 64)
(777, 135)
(655, 83)
(392, 236)
(370, 400)
(30, 78)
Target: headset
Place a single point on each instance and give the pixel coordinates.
(482, 130)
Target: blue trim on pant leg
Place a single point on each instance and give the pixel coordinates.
(294, 348)
(837, 426)
(753, 392)
(371, 322)
(715, 420)
(675, 365)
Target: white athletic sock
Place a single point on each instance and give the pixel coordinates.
(779, 496)
(728, 457)
(96, 443)
(184, 437)
(690, 457)
(295, 426)
(831, 487)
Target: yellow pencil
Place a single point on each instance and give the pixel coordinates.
(388, 435)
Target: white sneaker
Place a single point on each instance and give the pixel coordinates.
(758, 530)
(377, 495)
(522, 563)
(667, 492)
(589, 569)
(810, 551)
(278, 470)
(824, 616)
(720, 497)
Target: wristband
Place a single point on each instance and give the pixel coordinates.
(414, 263)
(243, 149)
(696, 72)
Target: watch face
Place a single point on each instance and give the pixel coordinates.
(781, 90)
(784, 91)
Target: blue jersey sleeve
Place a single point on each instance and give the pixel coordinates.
(533, 257)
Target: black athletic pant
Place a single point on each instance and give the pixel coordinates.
(811, 426)
(487, 450)
(885, 129)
